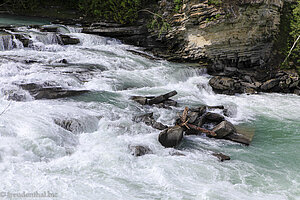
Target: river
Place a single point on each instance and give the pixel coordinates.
(37, 155)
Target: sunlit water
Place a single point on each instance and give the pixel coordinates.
(38, 155)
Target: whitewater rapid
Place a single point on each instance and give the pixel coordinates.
(36, 154)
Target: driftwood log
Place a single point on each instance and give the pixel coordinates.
(184, 123)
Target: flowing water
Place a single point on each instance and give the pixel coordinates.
(95, 162)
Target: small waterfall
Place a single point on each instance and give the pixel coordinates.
(73, 29)
(17, 43)
(49, 38)
(6, 42)
(69, 29)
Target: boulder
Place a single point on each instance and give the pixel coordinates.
(161, 98)
(214, 117)
(297, 91)
(242, 135)
(161, 101)
(268, 85)
(78, 125)
(50, 92)
(192, 116)
(170, 102)
(171, 137)
(221, 156)
(150, 121)
(138, 150)
(25, 41)
(139, 99)
(223, 129)
(67, 40)
(225, 85)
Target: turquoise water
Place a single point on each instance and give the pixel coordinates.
(38, 155)
(6, 19)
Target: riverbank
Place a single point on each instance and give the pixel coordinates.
(60, 145)
(240, 43)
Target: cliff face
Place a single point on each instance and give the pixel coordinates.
(235, 35)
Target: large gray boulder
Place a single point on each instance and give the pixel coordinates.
(223, 129)
(171, 137)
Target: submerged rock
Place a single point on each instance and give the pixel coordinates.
(221, 156)
(171, 137)
(242, 135)
(41, 92)
(138, 150)
(78, 125)
(150, 121)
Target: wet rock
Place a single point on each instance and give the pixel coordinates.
(171, 137)
(225, 85)
(223, 129)
(78, 125)
(64, 61)
(230, 71)
(150, 121)
(67, 40)
(216, 107)
(138, 150)
(25, 41)
(248, 79)
(221, 156)
(161, 101)
(176, 153)
(202, 110)
(41, 92)
(214, 117)
(297, 91)
(192, 116)
(170, 102)
(16, 97)
(139, 99)
(161, 98)
(143, 54)
(268, 85)
(242, 135)
(249, 90)
(31, 61)
(49, 28)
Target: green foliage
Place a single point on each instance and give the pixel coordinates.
(158, 24)
(295, 32)
(178, 5)
(289, 32)
(213, 18)
(123, 11)
(214, 2)
(23, 4)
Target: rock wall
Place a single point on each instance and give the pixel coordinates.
(236, 36)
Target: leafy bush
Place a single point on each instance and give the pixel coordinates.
(123, 11)
(178, 5)
(295, 33)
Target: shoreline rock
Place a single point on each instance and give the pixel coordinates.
(282, 82)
